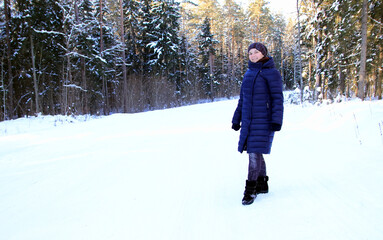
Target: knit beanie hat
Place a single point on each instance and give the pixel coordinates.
(259, 46)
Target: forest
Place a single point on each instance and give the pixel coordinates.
(98, 57)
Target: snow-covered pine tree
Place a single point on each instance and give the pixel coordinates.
(122, 59)
(287, 70)
(92, 55)
(332, 32)
(145, 27)
(235, 24)
(277, 34)
(344, 41)
(314, 39)
(8, 97)
(70, 69)
(206, 46)
(187, 84)
(165, 45)
(104, 57)
(194, 14)
(145, 54)
(133, 63)
(85, 24)
(363, 52)
(3, 45)
(38, 28)
(23, 32)
(165, 40)
(259, 20)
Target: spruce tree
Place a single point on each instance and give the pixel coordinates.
(206, 48)
(165, 43)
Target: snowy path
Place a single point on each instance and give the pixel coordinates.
(175, 174)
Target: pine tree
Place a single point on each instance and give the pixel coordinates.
(8, 108)
(187, 84)
(165, 35)
(124, 93)
(277, 34)
(259, 20)
(206, 63)
(375, 45)
(334, 33)
(23, 32)
(38, 40)
(345, 41)
(363, 52)
(287, 69)
(84, 42)
(235, 26)
(165, 45)
(104, 58)
(2, 65)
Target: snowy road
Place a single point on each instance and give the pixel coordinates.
(176, 174)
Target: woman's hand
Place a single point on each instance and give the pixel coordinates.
(275, 127)
(236, 127)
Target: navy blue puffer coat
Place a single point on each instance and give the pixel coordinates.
(259, 105)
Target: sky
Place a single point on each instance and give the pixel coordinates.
(286, 7)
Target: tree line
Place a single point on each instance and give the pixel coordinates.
(103, 56)
(342, 47)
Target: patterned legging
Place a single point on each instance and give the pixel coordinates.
(257, 166)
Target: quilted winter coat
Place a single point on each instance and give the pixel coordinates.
(259, 105)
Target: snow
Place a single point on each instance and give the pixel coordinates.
(176, 174)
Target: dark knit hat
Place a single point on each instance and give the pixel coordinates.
(259, 46)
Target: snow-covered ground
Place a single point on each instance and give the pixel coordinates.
(176, 174)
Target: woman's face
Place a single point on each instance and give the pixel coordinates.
(255, 55)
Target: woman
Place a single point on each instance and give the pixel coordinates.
(259, 114)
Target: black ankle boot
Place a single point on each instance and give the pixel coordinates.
(250, 192)
(262, 186)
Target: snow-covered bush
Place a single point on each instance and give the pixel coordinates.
(294, 97)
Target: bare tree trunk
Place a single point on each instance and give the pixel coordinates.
(125, 81)
(211, 69)
(363, 54)
(282, 66)
(211, 75)
(310, 70)
(342, 82)
(68, 80)
(318, 77)
(104, 82)
(82, 94)
(7, 13)
(34, 77)
(3, 86)
(85, 109)
(299, 52)
(379, 76)
(232, 61)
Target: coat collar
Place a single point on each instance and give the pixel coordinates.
(260, 65)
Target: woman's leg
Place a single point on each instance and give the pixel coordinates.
(262, 186)
(262, 172)
(257, 166)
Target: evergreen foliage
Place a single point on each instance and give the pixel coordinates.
(65, 57)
